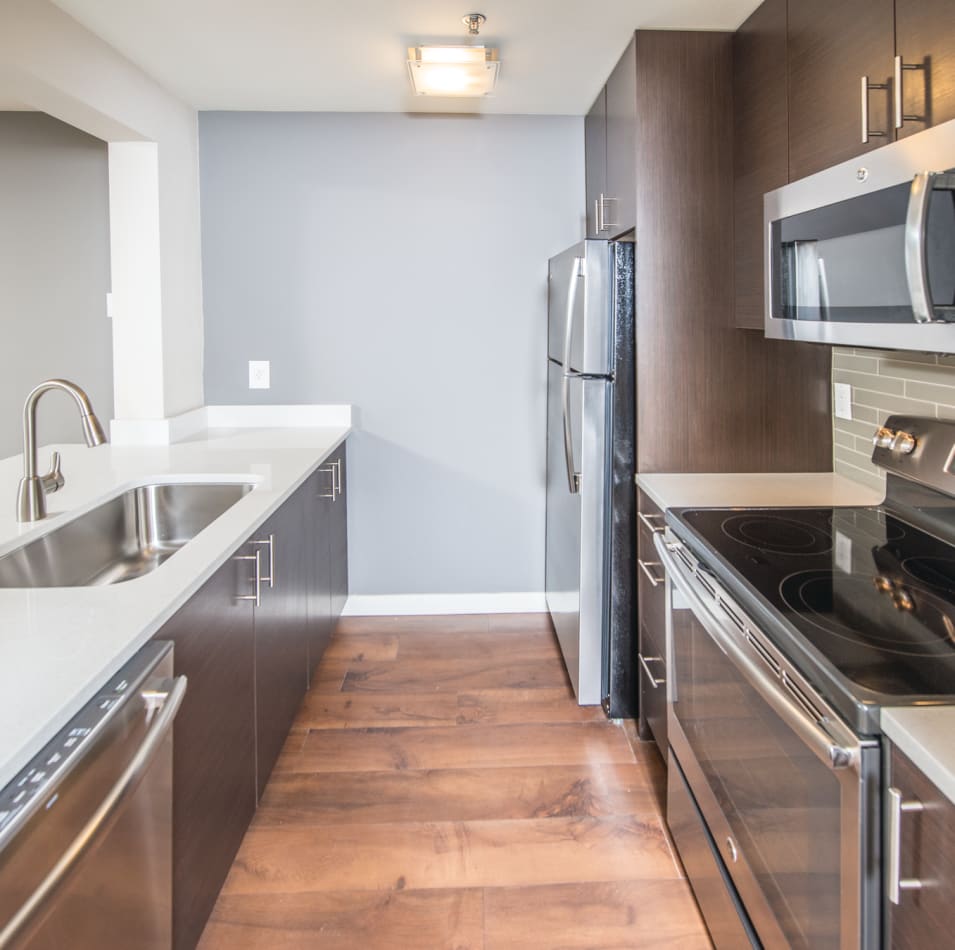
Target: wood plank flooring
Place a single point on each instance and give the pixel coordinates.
(442, 789)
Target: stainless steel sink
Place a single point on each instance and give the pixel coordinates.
(123, 538)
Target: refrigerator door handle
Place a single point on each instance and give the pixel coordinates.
(573, 476)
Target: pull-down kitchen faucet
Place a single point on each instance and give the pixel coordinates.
(31, 495)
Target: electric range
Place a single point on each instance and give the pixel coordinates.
(788, 631)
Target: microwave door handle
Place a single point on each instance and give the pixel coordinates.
(823, 746)
(916, 260)
(573, 476)
(32, 912)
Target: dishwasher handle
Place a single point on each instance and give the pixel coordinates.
(31, 915)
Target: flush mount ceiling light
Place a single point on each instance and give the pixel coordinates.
(456, 71)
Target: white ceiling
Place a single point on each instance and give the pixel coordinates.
(349, 55)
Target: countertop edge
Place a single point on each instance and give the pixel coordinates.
(926, 735)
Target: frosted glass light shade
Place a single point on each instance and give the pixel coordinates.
(454, 71)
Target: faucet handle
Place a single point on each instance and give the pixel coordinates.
(54, 478)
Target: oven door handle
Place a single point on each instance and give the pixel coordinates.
(827, 749)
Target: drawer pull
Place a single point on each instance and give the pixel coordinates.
(896, 883)
(654, 528)
(654, 682)
(645, 567)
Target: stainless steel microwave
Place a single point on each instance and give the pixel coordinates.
(863, 254)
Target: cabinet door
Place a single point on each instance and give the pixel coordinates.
(924, 917)
(925, 36)
(832, 45)
(595, 161)
(318, 527)
(214, 744)
(338, 539)
(621, 203)
(281, 630)
(651, 609)
(761, 146)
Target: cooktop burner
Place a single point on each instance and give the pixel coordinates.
(871, 593)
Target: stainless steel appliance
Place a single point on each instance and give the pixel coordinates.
(590, 465)
(863, 254)
(789, 630)
(86, 827)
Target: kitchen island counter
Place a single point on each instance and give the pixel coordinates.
(61, 644)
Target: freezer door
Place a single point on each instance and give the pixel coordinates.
(577, 537)
(579, 297)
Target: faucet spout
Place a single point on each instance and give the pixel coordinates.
(31, 494)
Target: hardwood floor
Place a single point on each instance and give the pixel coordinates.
(442, 789)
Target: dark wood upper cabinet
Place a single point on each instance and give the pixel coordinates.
(832, 45)
(214, 743)
(610, 130)
(621, 194)
(281, 629)
(760, 146)
(595, 161)
(923, 917)
(925, 37)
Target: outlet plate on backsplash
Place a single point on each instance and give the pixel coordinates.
(885, 382)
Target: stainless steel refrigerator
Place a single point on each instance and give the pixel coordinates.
(590, 468)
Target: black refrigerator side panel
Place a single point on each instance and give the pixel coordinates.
(620, 680)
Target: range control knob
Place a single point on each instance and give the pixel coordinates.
(883, 438)
(904, 443)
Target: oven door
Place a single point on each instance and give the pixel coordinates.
(788, 792)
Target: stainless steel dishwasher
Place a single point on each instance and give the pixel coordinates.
(86, 827)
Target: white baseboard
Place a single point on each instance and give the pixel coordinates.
(388, 605)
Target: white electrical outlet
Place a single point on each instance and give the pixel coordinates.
(843, 400)
(259, 374)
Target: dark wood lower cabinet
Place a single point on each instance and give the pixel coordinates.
(924, 917)
(651, 609)
(281, 630)
(338, 538)
(214, 744)
(247, 666)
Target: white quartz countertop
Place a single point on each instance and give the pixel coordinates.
(789, 489)
(926, 734)
(61, 644)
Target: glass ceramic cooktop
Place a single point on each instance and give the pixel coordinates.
(873, 594)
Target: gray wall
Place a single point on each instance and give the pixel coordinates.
(54, 273)
(399, 263)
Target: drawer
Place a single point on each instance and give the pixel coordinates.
(651, 660)
(722, 909)
(652, 597)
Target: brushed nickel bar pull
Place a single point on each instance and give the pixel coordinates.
(645, 567)
(270, 541)
(655, 528)
(326, 469)
(867, 87)
(337, 475)
(654, 682)
(900, 117)
(256, 598)
(896, 883)
(598, 226)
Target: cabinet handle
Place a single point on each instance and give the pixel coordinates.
(867, 87)
(337, 480)
(611, 220)
(654, 528)
(256, 598)
(270, 541)
(896, 883)
(329, 469)
(598, 227)
(654, 682)
(645, 567)
(900, 117)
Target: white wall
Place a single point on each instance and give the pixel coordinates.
(51, 63)
(400, 263)
(54, 274)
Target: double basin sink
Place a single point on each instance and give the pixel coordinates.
(123, 538)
